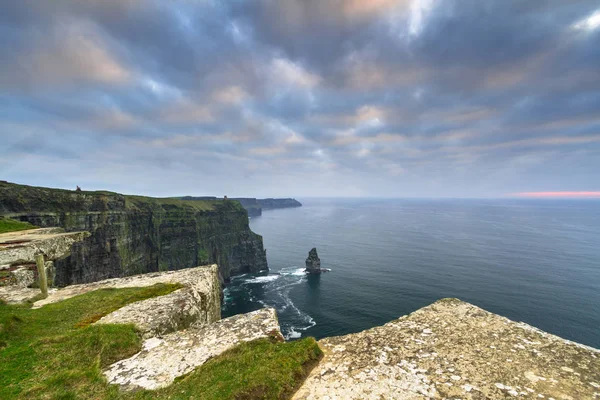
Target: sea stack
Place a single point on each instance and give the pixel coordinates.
(313, 263)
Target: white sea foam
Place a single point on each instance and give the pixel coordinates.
(292, 334)
(263, 279)
(293, 271)
(277, 287)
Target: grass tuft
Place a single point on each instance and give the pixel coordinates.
(11, 225)
(261, 369)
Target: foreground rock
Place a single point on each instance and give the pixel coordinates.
(198, 302)
(313, 262)
(165, 358)
(453, 350)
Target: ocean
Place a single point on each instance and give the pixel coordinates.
(536, 261)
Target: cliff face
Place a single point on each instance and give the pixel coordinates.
(254, 206)
(133, 234)
(251, 205)
(267, 204)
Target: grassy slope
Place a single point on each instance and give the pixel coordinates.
(10, 225)
(24, 198)
(51, 352)
(54, 353)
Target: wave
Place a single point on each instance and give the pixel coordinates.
(273, 290)
(292, 271)
(263, 279)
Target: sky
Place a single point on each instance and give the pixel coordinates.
(304, 98)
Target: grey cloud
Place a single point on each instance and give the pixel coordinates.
(301, 97)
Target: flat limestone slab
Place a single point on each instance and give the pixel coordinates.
(183, 276)
(453, 350)
(22, 246)
(163, 359)
(17, 295)
(199, 303)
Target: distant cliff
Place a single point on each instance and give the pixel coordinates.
(268, 204)
(252, 205)
(134, 234)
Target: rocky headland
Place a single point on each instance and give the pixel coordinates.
(253, 205)
(134, 234)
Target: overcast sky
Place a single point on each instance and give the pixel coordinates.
(406, 98)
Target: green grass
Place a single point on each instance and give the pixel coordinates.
(262, 369)
(10, 225)
(54, 353)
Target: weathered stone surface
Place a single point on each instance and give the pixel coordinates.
(313, 262)
(163, 359)
(22, 246)
(133, 235)
(453, 350)
(198, 303)
(24, 277)
(17, 295)
(188, 277)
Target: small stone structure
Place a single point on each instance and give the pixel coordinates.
(453, 350)
(167, 357)
(313, 262)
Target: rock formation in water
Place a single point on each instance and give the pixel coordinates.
(134, 234)
(313, 262)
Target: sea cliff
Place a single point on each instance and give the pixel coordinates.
(133, 234)
(253, 205)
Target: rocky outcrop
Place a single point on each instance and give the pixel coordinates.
(197, 303)
(133, 234)
(165, 358)
(18, 270)
(313, 262)
(254, 206)
(21, 247)
(450, 350)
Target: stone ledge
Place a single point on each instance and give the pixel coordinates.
(452, 349)
(165, 358)
(22, 246)
(198, 303)
(184, 276)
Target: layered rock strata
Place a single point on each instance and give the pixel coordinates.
(133, 234)
(18, 271)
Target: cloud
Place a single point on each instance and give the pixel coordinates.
(331, 97)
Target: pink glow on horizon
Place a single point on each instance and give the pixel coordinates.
(559, 194)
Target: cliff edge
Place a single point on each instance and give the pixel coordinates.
(453, 350)
(135, 234)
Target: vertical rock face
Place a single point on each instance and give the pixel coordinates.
(134, 235)
(313, 262)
